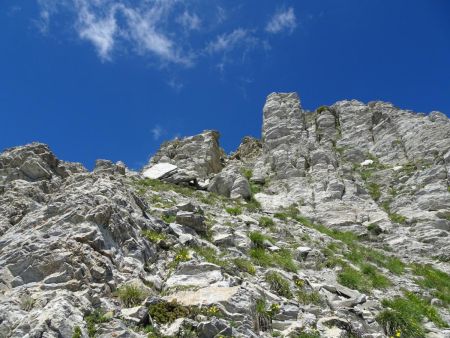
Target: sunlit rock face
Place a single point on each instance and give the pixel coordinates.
(306, 230)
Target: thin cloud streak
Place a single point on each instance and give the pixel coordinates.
(283, 20)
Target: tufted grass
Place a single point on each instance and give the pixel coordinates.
(308, 297)
(406, 315)
(234, 211)
(374, 190)
(130, 295)
(260, 256)
(245, 265)
(354, 279)
(77, 332)
(278, 284)
(257, 239)
(211, 256)
(266, 222)
(283, 258)
(435, 280)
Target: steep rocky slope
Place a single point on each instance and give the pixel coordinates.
(335, 224)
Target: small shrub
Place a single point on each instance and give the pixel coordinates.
(182, 255)
(279, 284)
(245, 265)
(266, 222)
(77, 332)
(169, 218)
(234, 211)
(321, 109)
(130, 295)
(154, 236)
(167, 312)
(94, 318)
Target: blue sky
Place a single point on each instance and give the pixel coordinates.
(113, 79)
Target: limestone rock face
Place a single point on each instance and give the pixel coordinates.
(307, 230)
(199, 155)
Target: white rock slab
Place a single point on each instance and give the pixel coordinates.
(366, 163)
(159, 170)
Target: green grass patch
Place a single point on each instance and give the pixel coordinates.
(76, 332)
(248, 173)
(308, 297)
(283, 258)
(211, 255)
(278, 284)
(281, 215)
(234, 211)
(169, 218)
(94, 318)
(377, 279)
(257, 239)
(374, 190)
(435, 280)
(397, 218)
(154, 236)
(354, 279)
(266, 222)
(260, 257)
(245, 265)
(406, 315)
(130, 295)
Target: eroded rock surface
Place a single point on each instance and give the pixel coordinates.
(313, 229)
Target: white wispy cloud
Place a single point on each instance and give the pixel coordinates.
(139, 26)
(189, 21)
(282, 20)
(229, 41)
(167, 32)
(157, 131)
(142, 30)
(100, 31)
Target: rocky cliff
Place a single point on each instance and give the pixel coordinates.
(334, 224)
